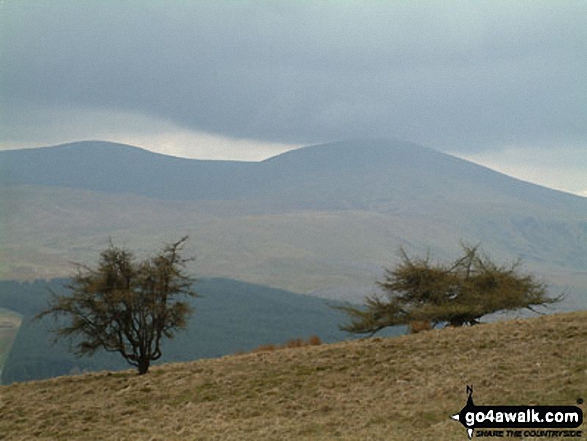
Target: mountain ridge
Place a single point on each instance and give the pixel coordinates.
(378, 166)
(320, 219)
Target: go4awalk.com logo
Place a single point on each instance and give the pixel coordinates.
(519, 421)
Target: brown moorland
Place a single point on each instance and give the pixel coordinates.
(402, 388)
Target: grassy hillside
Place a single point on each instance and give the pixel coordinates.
(43, 230)
(401, 388)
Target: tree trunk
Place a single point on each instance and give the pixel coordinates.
(143, 366)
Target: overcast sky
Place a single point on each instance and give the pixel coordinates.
(502, 83)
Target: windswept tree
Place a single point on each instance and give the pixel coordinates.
(124, 305)
(459, 293)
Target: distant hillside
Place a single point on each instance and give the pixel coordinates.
(322, 219)
(122, 169)
(401, 388)
(363, 174)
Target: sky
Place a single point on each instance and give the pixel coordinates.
(500, 83)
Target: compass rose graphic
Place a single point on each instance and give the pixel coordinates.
(469, 407)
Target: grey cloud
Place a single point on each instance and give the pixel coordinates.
(462, 76)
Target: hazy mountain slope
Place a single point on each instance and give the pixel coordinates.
(339, 253)
(117, 168)
(380, 171)
(352, 174)
(402, 388)
(323, 218)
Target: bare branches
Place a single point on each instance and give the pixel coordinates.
(126, 306)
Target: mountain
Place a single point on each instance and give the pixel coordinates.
(323, 219)
(117, 168)
(353, 174)
(403, 388)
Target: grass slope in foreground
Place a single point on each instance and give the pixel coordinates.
(400, 388)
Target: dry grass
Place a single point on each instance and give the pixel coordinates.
(314, 340)
(401, 388)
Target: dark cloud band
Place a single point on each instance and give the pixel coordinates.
(462, 76)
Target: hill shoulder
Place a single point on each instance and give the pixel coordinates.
(381, 388)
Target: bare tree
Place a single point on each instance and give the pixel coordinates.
(125, 306)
